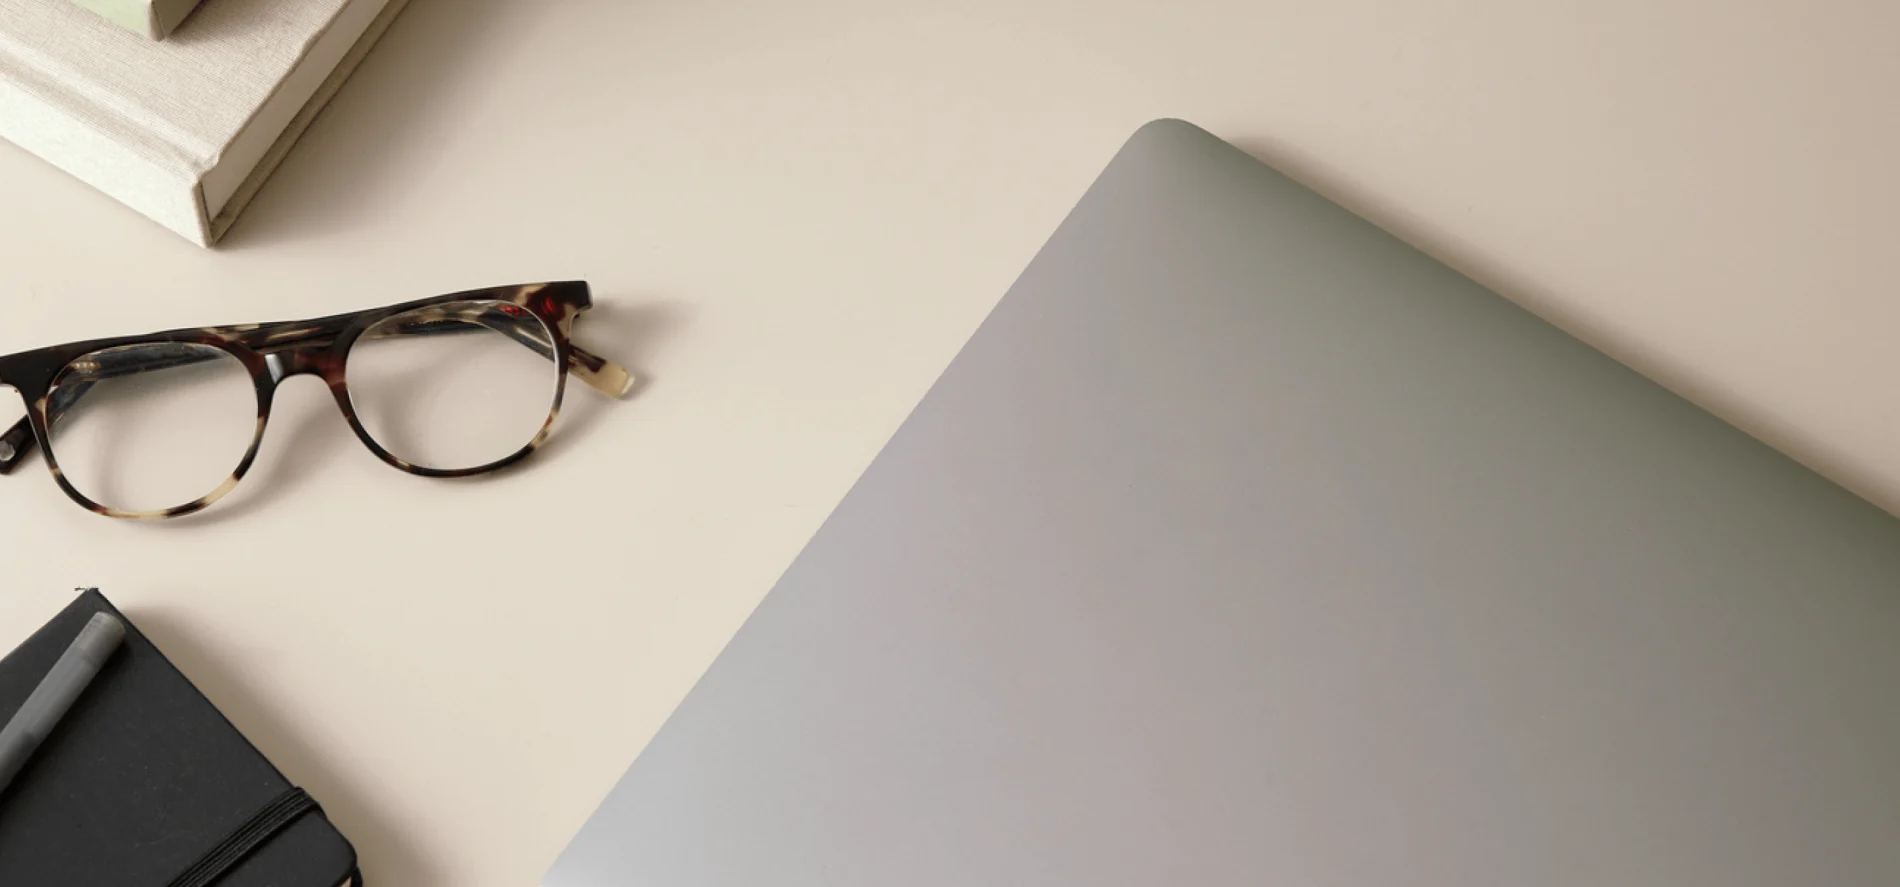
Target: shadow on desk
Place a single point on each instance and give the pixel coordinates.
(383, 854)
(377, 128)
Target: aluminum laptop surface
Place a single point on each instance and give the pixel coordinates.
(1246, 545)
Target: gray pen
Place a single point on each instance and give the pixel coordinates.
(56, 693)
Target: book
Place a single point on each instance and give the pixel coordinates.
(145, 782)
(184, 130)
(152, 18)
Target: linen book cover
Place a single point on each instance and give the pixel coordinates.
(184, 130)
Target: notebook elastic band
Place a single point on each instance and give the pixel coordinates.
(274, 818)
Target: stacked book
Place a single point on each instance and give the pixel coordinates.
(178, 108)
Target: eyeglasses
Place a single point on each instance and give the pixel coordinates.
(136, 427)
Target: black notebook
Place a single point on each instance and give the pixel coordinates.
(145, 784)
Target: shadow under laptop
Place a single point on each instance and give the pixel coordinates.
(1314, 174)
(1703, 391)
(383, 853)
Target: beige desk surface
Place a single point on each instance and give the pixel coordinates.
(794, 214)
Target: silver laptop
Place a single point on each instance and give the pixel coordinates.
(1246, 545)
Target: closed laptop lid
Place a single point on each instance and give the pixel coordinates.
(1244, 544)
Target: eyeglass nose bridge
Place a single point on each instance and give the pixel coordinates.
(310, 361)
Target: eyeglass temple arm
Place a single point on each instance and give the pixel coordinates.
(14, 445)
(599, 373)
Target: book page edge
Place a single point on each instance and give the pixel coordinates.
(137, 16)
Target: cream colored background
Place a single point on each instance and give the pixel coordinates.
(794, 213)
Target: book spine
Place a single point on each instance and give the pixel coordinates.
(100, 145)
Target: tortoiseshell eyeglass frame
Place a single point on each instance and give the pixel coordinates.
(273, 352)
